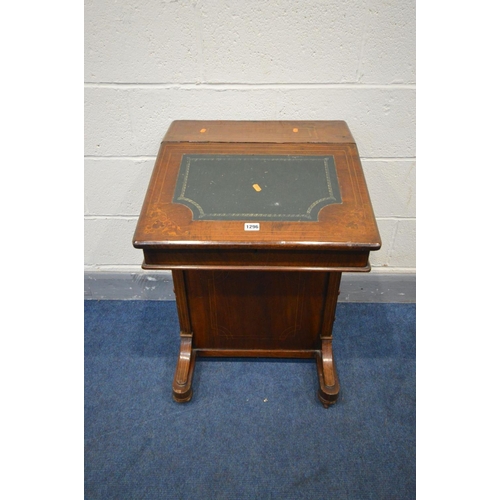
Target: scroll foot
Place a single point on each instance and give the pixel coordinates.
(181, 387)
(329, 386)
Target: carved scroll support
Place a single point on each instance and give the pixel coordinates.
(329, 386)
(181, 387)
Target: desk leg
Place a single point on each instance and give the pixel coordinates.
(181, 387)
(321, 345)
(329, 386)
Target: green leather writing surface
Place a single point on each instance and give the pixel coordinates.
(256, 187)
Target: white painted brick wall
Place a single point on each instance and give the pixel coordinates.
(148, 62)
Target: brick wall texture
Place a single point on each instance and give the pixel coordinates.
(148, 62)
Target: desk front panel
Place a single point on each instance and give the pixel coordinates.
(255, 258)
(256, 310)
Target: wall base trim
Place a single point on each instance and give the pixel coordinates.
(362, 287)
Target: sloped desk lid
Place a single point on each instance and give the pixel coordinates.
(301, 190)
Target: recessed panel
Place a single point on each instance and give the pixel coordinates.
(257, 187)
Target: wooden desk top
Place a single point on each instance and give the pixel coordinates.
(179, 214)
(259, 131)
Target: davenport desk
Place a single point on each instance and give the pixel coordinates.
(257, 221)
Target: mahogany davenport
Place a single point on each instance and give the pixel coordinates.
(257, 221)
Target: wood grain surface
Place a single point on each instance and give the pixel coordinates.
(271, 292)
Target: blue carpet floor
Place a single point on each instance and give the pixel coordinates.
(254, 428)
